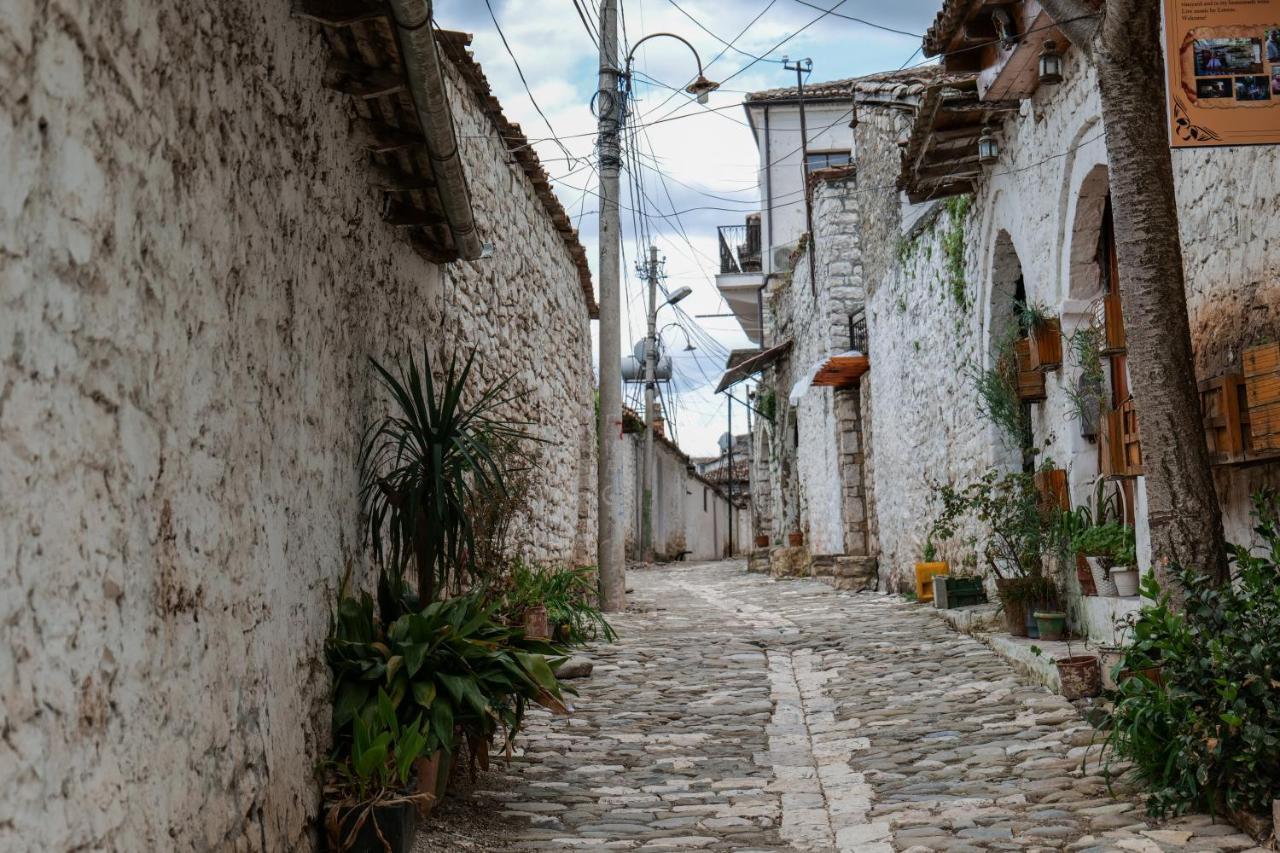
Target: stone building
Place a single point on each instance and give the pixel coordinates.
(809, 493)
(947, 260)
(759, 248)
(211, 218)
(693, 517)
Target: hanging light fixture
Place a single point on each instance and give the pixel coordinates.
(1050, 63)
(988, 148)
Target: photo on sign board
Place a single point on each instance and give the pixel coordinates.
(1275, 81)
(1216, 87)
(1252, 89)
(1273, 46)
(1228, 56)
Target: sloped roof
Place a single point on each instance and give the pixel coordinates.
(946, 24)
(831, 90)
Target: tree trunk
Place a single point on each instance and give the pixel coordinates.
(1182, 504)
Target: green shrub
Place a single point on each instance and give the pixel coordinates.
(1113, 539)
(1009, 505)
(1206, 735)
(569, 596)
(421, 467)
(450, 663)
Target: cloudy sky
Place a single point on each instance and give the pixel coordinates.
(698, 168)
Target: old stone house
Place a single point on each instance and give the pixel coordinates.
(211, 218)
(694, 517)
(808, 486)
(944, 248)
(948, 260)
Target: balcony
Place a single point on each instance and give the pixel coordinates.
(740, 247)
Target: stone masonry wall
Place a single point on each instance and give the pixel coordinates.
(824, 465)
(193, 274)
(1037, 214)
(690, 515)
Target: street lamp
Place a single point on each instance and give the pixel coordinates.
(700, 88)
(988, 148)
(1050, 63)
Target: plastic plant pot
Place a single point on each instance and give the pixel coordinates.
(1052, 624)
(1126, 581)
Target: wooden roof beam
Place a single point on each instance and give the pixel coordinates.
(381, 138)
(403, 215)
(361, 81)
(338, 13)
(393, 180)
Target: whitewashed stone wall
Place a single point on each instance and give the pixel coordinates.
(814, 479)
(193, 274)
(1038, 211)
(691, 515)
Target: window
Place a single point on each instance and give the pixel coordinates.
(824, 159)
(704, 498)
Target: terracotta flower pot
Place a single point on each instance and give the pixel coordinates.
(796, 539)
(1154, 674)
(536, 623)
(762, 541)
(1015, 612)
(1081, 676)
(1085, 576)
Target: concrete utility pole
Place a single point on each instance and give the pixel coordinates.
(802, 67)
(650, 380)
(730, 480)
(612, 567)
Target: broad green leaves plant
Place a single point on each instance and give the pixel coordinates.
(1206, 735)
(450, 664)
(422, 464)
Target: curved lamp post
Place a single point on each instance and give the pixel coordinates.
(700, 88)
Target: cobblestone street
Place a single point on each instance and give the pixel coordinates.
(742, 713)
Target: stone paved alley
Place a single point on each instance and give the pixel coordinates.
(742, 713)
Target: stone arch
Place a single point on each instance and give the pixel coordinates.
(1084, 275)
(1004, 291)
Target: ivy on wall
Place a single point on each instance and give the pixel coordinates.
(957, 208)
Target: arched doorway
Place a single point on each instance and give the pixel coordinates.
(1006, 323)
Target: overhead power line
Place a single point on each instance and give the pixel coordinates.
(524, 82)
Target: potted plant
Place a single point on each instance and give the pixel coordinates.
(1045, 333)
(762, 541)
(1079, 676)
(1110, 551)
(372, 804)
(929, 566)
(1010, 507)
(795, 539)
(1051, 624)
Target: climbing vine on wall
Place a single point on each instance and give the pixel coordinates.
(957, 208)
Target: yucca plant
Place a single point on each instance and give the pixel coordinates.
(421, 465)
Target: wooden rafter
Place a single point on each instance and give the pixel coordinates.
(338, 13)
(361, 81)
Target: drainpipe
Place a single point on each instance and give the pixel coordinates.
(768, 212)
(431, 104)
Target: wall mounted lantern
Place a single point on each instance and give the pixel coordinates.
(988, 148)
(1050, 63)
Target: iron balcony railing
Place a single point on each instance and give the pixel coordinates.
(740, 247)
(858, 331)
